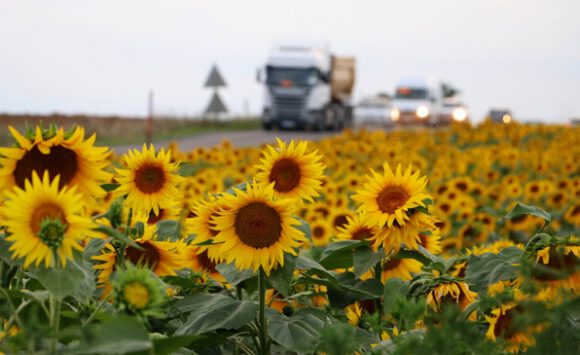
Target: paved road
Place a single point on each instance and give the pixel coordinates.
(238, 139)
(250, 138)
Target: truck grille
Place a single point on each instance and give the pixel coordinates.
(288, 106)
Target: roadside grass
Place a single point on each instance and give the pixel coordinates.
(114, 131)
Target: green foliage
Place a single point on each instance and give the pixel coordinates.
(490, 268)
(209, 312)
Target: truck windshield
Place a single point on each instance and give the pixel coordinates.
(291, 76)
(411, 93)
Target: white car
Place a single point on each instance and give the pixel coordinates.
(375, 110)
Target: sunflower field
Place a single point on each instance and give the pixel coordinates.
(455, 241)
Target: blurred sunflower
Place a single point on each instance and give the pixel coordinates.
(138, 292)
(74, 159)
(389, 197)
(202, 225)
(501, 325)
(572, 214)
(44, 223)
(353, 314)
(295, 173)
(198, 259)
(393, 238)
(400, 268)
(431, 241)
(163, 258)
(257, 230)
(557, 267)
(357, 228)
(321, 231)
(457, 292)
(150, 180)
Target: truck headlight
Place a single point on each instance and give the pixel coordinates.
(422, 111)
(506, 118)
(395, 114)
(459, 114)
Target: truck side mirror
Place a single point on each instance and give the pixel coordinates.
(325, 77)
(259, 75)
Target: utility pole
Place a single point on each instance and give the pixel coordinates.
(149, 122)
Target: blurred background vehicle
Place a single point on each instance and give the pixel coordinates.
(375, 110)
(307, 87)
(500, 115)
(422, 101)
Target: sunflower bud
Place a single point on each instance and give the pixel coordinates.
(137, 291)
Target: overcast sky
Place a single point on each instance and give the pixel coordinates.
(101, 57)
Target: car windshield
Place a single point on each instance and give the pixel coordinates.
(291, 76)
(411, 93)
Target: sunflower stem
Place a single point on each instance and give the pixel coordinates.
(378, 276)
(262, 313)
(55, 305)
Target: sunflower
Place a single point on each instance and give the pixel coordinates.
(431, 241)
(501, 325)
(295, 173)
(198, 259)
(357, 228)
(150, 180)
(44, 222)
(257, 230)
(321, 232)
(163, 258)
(202, 225)
(353, 314)
(400, 268)
(393, 238)
(454, 291)
(391, 197)
(138, 292)
(557, 267)
(572, 215)
(74, 159)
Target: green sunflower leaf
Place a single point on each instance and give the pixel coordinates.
(489, 268)
(214, 311)
(299, 333)
(521, 209)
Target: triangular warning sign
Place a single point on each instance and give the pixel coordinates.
(214, 79)
(216, 105)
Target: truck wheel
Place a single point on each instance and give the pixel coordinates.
(267, 126)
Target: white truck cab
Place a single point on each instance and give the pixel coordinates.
(306, 87)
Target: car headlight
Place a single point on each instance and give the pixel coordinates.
(395, 114)
(422, 111)
(506, 118)
(459, 114)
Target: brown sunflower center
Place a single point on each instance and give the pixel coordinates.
(503, 326)
(391, 264)
(285, 175)
(205, 262)
(340, 221)
(258, 225)
(150, 178)
(391, 198)
(558, 267)
(362, 234)
(149, 256)
(423, 240)
(154, 218)
(461, 186)
(60, 161)
(43, 212)
(318, 232)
